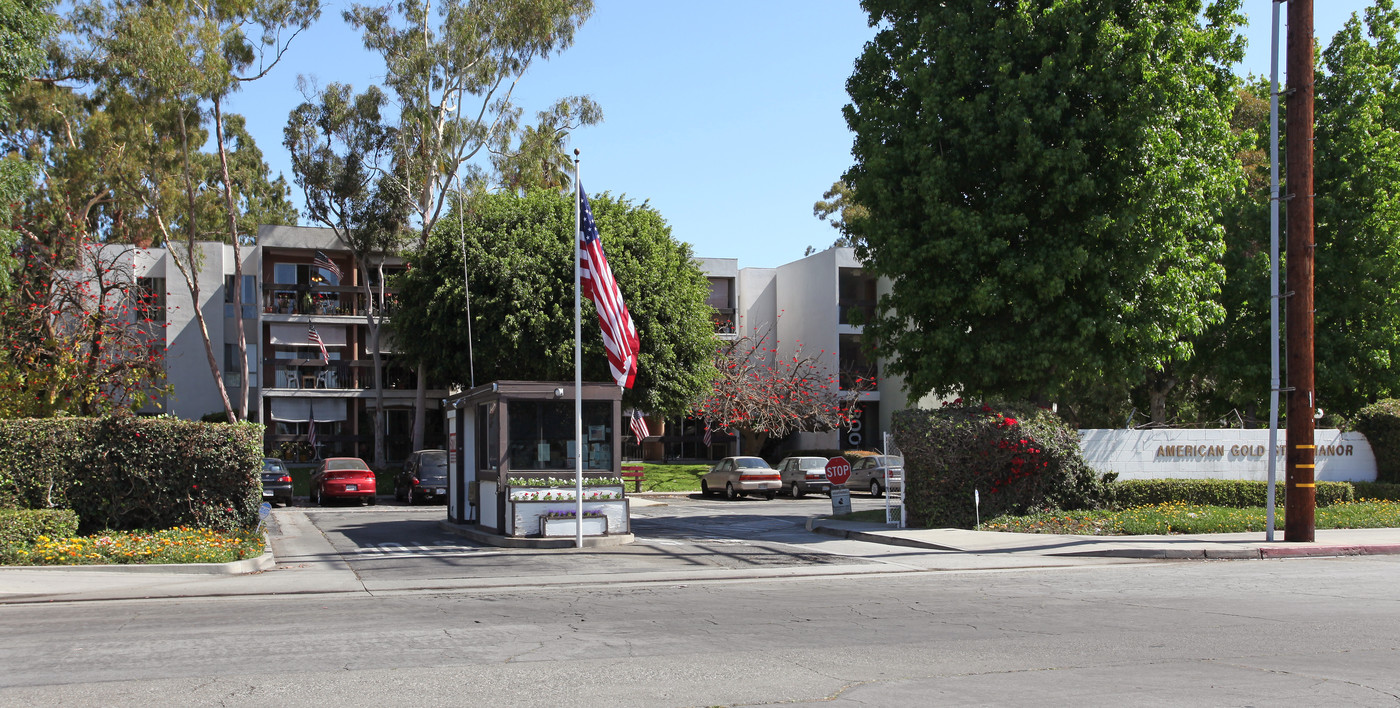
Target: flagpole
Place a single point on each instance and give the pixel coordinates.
(578, 370)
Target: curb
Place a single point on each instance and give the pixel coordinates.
(241, 567)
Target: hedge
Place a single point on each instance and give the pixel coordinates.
(126, 473)
(1381, 491)
(20, 527)
(1237, 493)
(850, 455)
(1380, 423)
(1017, 457)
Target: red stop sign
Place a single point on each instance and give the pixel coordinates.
(838, 470)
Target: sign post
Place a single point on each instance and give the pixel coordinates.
(838, 471)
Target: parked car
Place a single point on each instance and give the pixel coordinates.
(276, 481)
(423, 478)
(741, 476)
(342, 478)
(870, 473)
(802, 475)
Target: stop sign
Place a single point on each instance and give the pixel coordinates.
(838, 470)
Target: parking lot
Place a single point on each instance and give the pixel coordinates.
(395, 541)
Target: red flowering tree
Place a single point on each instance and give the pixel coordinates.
(78, 334)
(763, 394)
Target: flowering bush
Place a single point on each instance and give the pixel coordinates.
(1017, 457)
(562, 481)
(560, 495)
(177, 545)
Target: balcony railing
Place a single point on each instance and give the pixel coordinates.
(282, 299)
(337, 375)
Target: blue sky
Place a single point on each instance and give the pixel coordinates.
(724, 115)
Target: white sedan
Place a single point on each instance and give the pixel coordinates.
(741, 476)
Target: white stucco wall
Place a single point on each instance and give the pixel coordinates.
(1220, 454)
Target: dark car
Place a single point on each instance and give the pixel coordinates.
(423, 478)
(276, 481)
(804, 474)
(342, 478)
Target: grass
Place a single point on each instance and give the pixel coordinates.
(671, 478)
(1178, 517)
(178, 545)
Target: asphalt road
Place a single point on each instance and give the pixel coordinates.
(1291, 632)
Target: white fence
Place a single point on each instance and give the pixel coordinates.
(1220, 454)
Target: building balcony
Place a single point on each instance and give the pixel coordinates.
(315, 374)
(317, 300)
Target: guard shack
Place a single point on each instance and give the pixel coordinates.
(512, 457)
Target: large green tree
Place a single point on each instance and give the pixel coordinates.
(1357, 180)
(520, 253)
(1044, 181)
(24, 25)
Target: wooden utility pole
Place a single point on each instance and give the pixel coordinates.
(1300, 493)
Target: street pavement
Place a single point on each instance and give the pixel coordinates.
(678, 539)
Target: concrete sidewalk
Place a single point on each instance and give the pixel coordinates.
(1232, 546)
(303, 562)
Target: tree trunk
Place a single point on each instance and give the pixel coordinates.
(420, 402)
(237, 264)
(191, 276)
(1159, 384)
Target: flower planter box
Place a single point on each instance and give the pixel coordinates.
(592, 526)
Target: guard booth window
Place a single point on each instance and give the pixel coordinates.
(542, 435)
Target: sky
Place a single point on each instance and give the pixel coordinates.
(724, 116)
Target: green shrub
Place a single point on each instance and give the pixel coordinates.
(23, 526)
(1380, 423)
(1379, 491)
(1018, 457)
(1237, 493)
(135, 473)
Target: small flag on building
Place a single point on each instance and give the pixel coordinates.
(325, 263)
(639, 426)
(313, 336)
(708, 436)
(596, 279)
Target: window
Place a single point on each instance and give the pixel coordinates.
(150, 299)
(542, 435)
(488, 436)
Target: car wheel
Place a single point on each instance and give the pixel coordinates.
(372, 501)
(875, 490)
(797, 491)
(729, 492)
(770, 495)
(311, 496)
(704, 489)
(322, 500)
(398, 494)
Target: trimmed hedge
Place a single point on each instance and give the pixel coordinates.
(1018, 457)
(126, 473)
(22, 526)
(1380, 423)
(1382, 491)
(1237, 493)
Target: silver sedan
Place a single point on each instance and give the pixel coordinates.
(740, 477)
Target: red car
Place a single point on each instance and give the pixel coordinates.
(342, 478)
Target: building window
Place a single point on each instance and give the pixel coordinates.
(150, 299)
(722, 299)
(855, 364)
(542, 435)
(856, 296)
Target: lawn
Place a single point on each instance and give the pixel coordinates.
(671, 478)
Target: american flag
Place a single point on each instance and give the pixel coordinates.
(619, 333)
(322, 261)
(314, 336)
(639, 426)
(708, 436)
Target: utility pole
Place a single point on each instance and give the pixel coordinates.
(1300, 493)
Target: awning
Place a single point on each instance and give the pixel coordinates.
(294, 335)
(300, 410)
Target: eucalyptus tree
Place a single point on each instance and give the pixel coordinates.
(189, 57)
(1044, 182)
(451, 70)
(24, 26)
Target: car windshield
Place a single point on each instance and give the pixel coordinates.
(749, 462)
(434, 463)
(347, 463)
